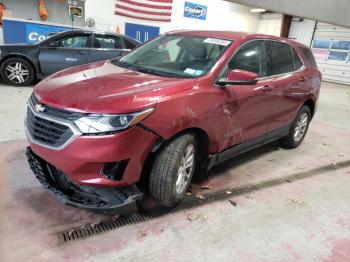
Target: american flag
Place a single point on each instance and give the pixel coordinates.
(154, 10)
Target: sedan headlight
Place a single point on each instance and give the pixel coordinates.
(104, 123)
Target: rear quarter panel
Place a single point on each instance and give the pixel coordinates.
(313, 76)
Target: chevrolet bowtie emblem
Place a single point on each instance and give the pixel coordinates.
(39, 108)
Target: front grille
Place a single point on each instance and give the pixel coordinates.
(47, 132)
(55, 112)
(53, 127)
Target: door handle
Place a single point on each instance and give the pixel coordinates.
(267, 88)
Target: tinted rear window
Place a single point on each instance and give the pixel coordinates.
(309, 56)
(107, 41)
(297, 62)
(281, 58)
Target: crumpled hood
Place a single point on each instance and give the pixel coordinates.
(105, 88)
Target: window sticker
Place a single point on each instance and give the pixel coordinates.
(193, 72)
(190, 71)
(198, 72)
(216, 41)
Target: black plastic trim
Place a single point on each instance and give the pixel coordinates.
(114, 170)
(119, 200)
(220, 157)
(160, 139)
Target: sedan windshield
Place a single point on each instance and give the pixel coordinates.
(176, 56)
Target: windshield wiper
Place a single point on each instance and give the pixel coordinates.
(119, 63)
(147, 70)
(151, 71)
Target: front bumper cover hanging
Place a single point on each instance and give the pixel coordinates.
(121, 200)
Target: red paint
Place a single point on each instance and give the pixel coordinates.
(228, 115)
(340, 252)
(83, 164)
(241, 75)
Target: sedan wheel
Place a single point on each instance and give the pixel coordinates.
(17, 72)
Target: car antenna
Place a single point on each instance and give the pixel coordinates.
(72, 20)
(90, 23)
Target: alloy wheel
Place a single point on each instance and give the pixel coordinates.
(185, 170)
(301, 127)
(17, 72)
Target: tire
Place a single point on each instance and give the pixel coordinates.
(298, 129)
(17, 72)
(168, 184)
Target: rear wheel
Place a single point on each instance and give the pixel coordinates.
(17, 72)
(299, 128)
(173, 169)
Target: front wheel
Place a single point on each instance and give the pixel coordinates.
(298, 129)
(17, 72)
(173, 169)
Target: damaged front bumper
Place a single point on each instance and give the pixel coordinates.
(120, 200)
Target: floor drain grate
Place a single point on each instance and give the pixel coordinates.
(190, 202)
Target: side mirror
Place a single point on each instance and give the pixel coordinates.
(239, 77)
(53, 44)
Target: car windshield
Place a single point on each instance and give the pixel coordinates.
(176, 56)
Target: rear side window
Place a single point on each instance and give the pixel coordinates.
(250, 57)
(309, 56)
(281, 58)
(297, 62)
(106, 41)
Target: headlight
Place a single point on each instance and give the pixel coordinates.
(104, 123)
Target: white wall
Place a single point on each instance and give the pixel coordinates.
(302, 30)
(221, 15)
(270, 24)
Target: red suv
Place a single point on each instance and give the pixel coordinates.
(174, 107)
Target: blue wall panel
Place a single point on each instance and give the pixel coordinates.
(142, 33)
(16, 32)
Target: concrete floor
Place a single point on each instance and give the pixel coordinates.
(307, 219)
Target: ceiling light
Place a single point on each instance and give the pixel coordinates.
(257, 10)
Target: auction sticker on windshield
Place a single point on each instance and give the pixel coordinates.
(217, 41)
(193, 72)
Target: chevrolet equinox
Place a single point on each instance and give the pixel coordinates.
(170, 109)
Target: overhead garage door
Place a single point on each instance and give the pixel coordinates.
(331, 46)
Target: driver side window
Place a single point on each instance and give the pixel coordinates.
(250, 57)
(74, 41)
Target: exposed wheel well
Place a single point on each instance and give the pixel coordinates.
(203, 149)
(311, 104)
(202, 142)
